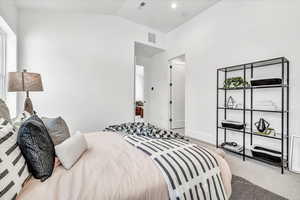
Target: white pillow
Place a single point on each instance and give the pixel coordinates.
(70, 150)
(20, 119)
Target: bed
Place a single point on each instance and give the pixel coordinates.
(112, 169)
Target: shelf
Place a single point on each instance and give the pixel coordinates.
(248, 154)
(249, 133)
(262, 63)
(247, 71)
(255, 110)
(256, 87)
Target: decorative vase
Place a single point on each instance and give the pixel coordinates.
(262, 125)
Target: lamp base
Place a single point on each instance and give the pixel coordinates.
(28, 107)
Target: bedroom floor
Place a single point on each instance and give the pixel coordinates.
(265, 176)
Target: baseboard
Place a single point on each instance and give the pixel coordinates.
(202, 136)
(294, 158)
(178, 123)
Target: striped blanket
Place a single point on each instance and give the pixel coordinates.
(191, 171)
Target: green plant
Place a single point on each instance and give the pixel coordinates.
(235, 82)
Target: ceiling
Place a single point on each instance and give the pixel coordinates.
(157, 14)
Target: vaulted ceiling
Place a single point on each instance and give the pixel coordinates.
(157, 14)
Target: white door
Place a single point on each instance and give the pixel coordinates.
(178, 96)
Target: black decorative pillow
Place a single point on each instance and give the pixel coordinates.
(37, 148)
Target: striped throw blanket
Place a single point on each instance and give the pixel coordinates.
(191, 172)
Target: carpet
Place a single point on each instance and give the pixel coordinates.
(245, 190)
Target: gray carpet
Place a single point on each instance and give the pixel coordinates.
(245, 190)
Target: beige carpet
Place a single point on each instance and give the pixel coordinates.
(263, 175)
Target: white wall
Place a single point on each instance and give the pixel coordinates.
(234, 32)
(139, 83)
(9, 13)
(86, 63)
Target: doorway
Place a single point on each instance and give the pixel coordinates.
(139, 93)
(177, 93)
(148, 89)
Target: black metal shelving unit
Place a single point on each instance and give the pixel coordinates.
(281, 62)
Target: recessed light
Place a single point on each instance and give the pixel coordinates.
(174, 5)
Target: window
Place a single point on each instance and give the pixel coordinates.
(8, 63)
(2, 65)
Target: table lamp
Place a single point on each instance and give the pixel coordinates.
(25, 82)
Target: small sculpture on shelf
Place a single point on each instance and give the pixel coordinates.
(235, 82)
(230, 102)
(263, 127)
(239, 106)
(232, 146)
(270, 131)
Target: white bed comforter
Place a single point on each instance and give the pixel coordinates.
(111, 169)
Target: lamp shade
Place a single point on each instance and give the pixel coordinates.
(24, 81)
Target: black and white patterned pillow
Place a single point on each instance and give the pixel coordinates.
(144, 129)
(13, 168)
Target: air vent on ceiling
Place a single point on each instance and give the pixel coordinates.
(152, 38)
(142, 4)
